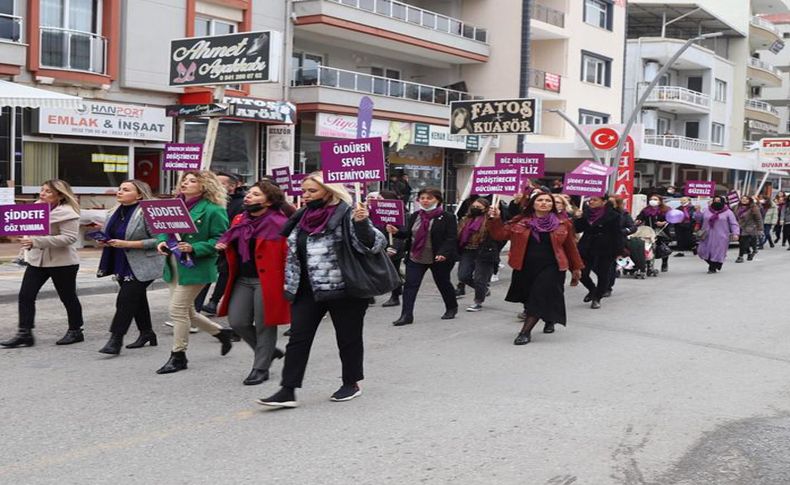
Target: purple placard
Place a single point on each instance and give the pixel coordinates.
(494, 180)
(700, 188)
(183, 156)
(296, 184)
(585, 185)
(359, 160)
(533, 165)
(24, 220)
(386, 211)
(588, 167)
(282, 177)
(168, 216)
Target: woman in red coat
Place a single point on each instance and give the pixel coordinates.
(254, 301)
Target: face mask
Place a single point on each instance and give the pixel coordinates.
(253, 207)
(431, 207)
(474, 212)
(316, 204)
(653, 203)
(717, 205)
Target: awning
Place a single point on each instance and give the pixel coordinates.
(21, 96)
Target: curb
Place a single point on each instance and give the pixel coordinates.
(92, 290)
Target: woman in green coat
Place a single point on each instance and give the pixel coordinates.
(192, 263)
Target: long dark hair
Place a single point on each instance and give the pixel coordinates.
(529, 208)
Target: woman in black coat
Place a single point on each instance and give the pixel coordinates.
(600, 244)
(431, 244)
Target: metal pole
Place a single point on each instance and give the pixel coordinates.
(211, 130)
(584, 137)
(638, 107)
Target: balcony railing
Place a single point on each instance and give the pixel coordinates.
(679, 94)
(73, 50)
(761, 22)
(758, 125)
(544, 80)
(418, 16)
(10, 27)
(761, 106)
(761, 64)
(547, 15)
(377, 85)
(676, 141)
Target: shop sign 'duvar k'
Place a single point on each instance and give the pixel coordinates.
(248, 57)
(492, 117)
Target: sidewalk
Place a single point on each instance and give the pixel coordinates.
(87, 282)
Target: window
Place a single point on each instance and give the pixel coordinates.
(592, 118)
(10, 26)
(386, 87)
(73, 162)
(205, 27)
(70, 35)
(757, 91)
(306, 68)
(663, 127)
(786, 35)
(596, 69)
(720, 93)
(717, 134)
(598, 13)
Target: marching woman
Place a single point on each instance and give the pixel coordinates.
(601, 243)
(718, 225)
(52, 256)
(196, 263)
(684, 230)
(130, 255)
(770, 218)
(751, 224)
(319, 236)
(542, 250)
(654, 216)
(431, 244)
(253, 299)
(479, 253)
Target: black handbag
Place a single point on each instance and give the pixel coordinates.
(662, 250)
(365, 274)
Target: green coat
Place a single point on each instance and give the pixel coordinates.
(211, 221)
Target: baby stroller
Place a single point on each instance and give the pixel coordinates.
(641, 246)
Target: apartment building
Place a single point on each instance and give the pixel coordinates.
(115, 55)
(778, 96)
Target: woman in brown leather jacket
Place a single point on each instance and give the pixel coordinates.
(542, 249)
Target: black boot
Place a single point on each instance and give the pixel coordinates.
(257, 376)
(403, 320)
(113, 346)
(176, 362)
(450, 313)
(23, 338)
(224, 337)
(393, 301)
(148, 337)
(548, 327)
(278, 354)
(71, 337)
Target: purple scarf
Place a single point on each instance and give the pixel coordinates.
(421, 235)
(651, 211)
(314, 221)
(715, 214)
(192, 202)
(743, 209)
(547, 223)
(265, 226)
(594, 215)
(472, 226)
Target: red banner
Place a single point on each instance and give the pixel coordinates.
(624, 183)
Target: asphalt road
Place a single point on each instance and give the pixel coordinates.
(683, 379)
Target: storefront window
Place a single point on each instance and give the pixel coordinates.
(80, 165)
(236, 148)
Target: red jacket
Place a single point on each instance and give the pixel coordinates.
(270, 262)
(563, 240)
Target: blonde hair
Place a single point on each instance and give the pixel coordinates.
(338, 191)
(141, 187)
(213, 190)
(66, 195)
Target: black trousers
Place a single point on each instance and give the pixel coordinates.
(441, 276)
(785, 234)
(132, 303)
(65, 280)
(713, 265)
(348, 315)
(745, 245)
(601, 266)
(685, 237)
(475, 273)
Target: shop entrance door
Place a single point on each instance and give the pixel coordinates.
(146, 167)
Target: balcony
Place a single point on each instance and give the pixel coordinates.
(12, 50)
(10, 28)
(761, 111)
(547, 23)
(545, 81)
(331, 86)
(675, 141)
(763, 74)
(759, 126)
(73, 50)
(677, 99)
(423, 36)
(762, 33)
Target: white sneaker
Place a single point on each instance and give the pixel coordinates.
(494, 278)
(168, 323)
